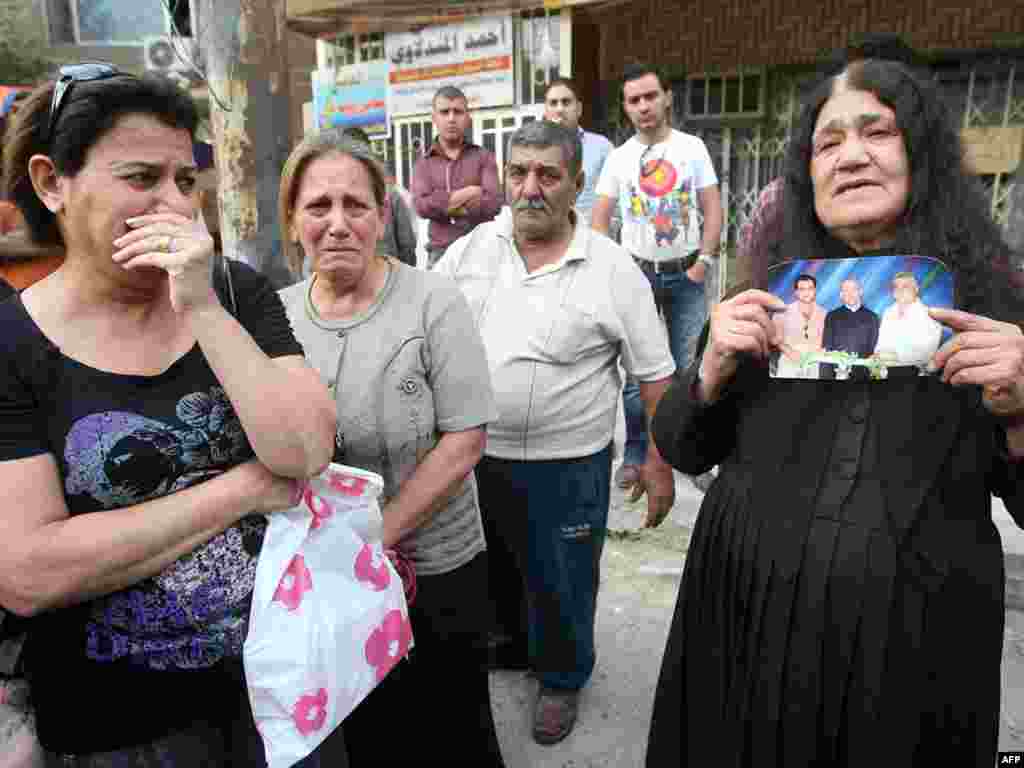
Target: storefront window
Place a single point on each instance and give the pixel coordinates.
(120, 21)
(341, 51)
(371, 47)
(116, 22)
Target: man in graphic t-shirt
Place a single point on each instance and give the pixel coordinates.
(666, 191)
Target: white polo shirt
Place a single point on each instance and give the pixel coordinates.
(554, 338)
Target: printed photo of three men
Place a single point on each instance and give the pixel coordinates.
(858, 319)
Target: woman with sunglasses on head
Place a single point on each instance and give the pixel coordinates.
(144, 430)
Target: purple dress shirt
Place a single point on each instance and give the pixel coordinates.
(434, 179)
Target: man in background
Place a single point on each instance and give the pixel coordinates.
(563, 106)
(559, 306)
(664, 185)
(455, 185)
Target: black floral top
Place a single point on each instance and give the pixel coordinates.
(121, 440)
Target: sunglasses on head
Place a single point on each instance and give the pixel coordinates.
(75, 73)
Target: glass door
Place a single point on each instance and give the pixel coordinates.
(413, 137)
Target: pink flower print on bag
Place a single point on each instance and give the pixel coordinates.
(321, 509)
(348, 485)
(295, 582)
(310, 712)
(371, 568)
(388, 643)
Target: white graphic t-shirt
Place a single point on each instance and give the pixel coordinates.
(658, 200)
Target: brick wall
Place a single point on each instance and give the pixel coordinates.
(684, 36)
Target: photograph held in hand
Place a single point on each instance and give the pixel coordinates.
(860, 318)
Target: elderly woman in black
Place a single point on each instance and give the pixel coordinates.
(842, 602)
(144, 429)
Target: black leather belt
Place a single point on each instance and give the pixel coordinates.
(680, 264)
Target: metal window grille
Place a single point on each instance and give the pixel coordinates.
(993, 97)
(496, 131)
(341, 51)
(538, 53)
(740, 94)
(345, 50)
(371, 47)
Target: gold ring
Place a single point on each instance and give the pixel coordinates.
(165, 244)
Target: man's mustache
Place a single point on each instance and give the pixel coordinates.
(529, 204)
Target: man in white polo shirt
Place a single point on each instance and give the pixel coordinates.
(665, 188)
(558, 306)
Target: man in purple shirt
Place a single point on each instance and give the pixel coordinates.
(455, 185)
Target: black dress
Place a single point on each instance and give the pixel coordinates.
(842, 600)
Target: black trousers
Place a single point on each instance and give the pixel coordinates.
(434, 708)
(232, 742)
(545, 523)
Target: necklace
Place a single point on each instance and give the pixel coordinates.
(654, 164)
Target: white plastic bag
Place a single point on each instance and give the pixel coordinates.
(329, 618)
(19, 747)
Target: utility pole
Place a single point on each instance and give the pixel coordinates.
(244, 47)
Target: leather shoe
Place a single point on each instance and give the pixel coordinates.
(627, 475)
(555, 715)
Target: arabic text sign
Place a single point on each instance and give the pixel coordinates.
(357, 98)
(476, 56)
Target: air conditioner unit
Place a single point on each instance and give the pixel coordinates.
(169, 55)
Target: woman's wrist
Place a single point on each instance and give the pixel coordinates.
(198, 315)
(705, 390)
(255, 490)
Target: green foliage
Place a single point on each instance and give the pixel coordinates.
(878, 368)
(21, 65)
